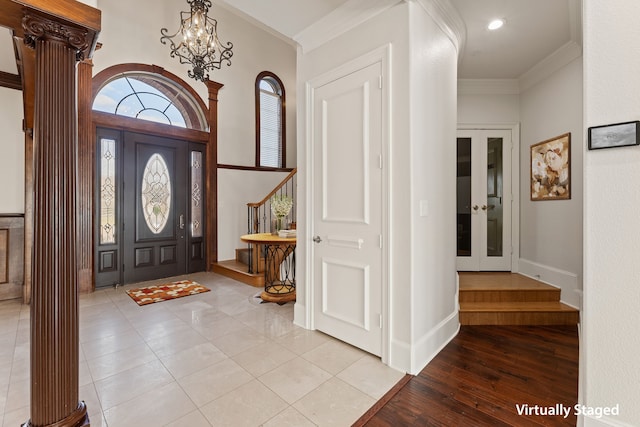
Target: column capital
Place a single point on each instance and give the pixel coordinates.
(38, 26)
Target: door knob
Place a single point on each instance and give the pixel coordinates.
(317, 239)
(181, 225)
(484, 207)
(475, 208)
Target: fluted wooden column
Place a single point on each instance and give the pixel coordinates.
(54, 303)
(86, 152)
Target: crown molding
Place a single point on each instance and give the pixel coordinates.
(339, 21)
(563, 56)
(488, 87)
(253, 21)
(549, 65)
(575, 20)
(542, 70)
(449, 21)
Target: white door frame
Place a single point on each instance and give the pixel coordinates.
(515, 181)
(382, 55)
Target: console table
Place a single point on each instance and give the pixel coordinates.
(280, 266)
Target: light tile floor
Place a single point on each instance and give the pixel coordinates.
(213, 359)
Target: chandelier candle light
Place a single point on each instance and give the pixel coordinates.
(280, 207)
(198, 42)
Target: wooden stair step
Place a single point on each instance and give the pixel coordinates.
(494, 280)
(518, 313)
(238, 271)
(516, 306)
(498, 294)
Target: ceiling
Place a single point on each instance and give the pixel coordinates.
(287, 17)
(534, 30)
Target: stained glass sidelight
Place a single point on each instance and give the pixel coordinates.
(156, 193)
(196, 194)
(107, 191)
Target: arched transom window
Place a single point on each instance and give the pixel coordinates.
(149, 97)
(270, 121)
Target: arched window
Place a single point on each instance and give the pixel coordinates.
(270, 121)
(150, 97)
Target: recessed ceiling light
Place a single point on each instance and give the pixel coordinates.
(495, 24)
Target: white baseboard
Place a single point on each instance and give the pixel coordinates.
(565, 280)
(400, 355)
(433, 342)
(589, 421)
(413, 359)
(300, 316)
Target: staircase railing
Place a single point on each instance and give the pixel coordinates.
(260, 217)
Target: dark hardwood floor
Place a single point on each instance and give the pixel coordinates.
(481, 376)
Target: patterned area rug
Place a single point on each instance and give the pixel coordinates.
(166, 291)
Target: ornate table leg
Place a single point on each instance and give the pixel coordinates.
(279, 274)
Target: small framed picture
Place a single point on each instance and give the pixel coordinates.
(615, 135)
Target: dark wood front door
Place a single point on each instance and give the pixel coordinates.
(150, 204)
(154, 207)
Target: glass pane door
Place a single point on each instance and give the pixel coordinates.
(463, 211)
(494, 196)
(483, 214)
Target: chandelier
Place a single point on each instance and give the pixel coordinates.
(197, 41)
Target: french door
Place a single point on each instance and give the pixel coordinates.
(149, 209)
(484, 200)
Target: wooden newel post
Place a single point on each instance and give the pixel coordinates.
(54, 303)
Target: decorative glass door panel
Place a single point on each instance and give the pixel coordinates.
(196, 225)
(483, 200)
(108, 190)
(108, 236)
(154, 193)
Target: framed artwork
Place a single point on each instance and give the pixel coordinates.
(615, 135)
(551, 169)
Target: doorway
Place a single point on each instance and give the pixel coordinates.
(150, 207)
(484, 200)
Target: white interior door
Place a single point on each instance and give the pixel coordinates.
(347, 208)
(484, 199)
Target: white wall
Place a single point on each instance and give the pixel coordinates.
(551, 231)
(422, 255)
(11, 151)
(241, 187)
(611, 343)
(433, 183)
(488, 109)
